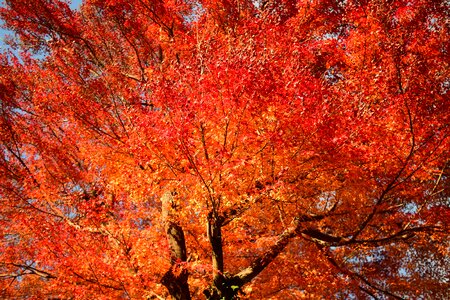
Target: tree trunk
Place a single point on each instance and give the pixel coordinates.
(227, 287)
(220, 288)
(176, 278)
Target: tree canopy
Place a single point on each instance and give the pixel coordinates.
(192, 149)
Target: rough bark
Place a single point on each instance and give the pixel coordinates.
(218, 290)
(215, 238)
(176, 278)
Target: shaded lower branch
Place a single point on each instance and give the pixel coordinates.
(261, 262)
(324, 239)
(98, 283)
(358, 277)
(27, 270)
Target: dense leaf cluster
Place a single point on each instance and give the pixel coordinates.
(226, 149)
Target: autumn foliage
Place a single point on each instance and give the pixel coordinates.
(227, 149)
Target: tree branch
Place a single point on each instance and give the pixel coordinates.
(27, 270)
(358, 277)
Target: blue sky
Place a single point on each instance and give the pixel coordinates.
(75, 4)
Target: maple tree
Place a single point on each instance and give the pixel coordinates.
(225, 149)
